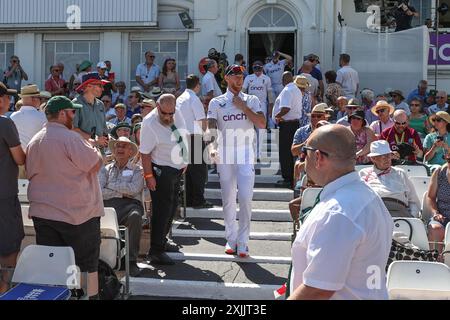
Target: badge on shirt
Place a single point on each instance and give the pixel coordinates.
(127, 173)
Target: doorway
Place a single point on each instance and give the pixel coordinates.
(262, 45)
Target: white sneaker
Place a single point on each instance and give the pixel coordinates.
(242, 250)
(230, 248)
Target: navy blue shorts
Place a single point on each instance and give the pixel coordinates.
(11, 226)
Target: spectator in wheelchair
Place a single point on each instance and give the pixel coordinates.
(122, 184)
(439, 202)
(390, 183)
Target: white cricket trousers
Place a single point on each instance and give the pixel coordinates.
(237, 179)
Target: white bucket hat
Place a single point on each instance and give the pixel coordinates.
(379, 148)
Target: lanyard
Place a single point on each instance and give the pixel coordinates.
(401, 140)
(180, 142)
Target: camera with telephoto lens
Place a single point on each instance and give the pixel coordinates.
(403, 4)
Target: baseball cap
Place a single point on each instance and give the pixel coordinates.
(102, 65)
(59, 103)
(234, 70)
(4, 91)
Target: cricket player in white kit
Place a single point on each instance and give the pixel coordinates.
(232, 118)
(275, 69)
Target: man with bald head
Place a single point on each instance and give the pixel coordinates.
(344, 242)
(403, 140)
(164, 157)
(307, 68)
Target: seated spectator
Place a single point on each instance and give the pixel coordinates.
(398, 100)
(439, 201)
(122, 184)
(420, 93)
(137, 133)
(136, 118)
(18, 106)
(45, 96)
(364, 136)
(367, 103)
(352, 105)
(441, 103)
(110, 113)
(168, 79)
(121, 114)
(390, 183)
(333, 91)
(342, 101)
(436, 144)
(418, 120)
(404, 140)
(123, 129)
(384, 111)
(109, 87)
(133, 104)
(147, 106)
(120, 96)
(55, 84)
(85, 68)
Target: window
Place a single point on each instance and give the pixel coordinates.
(162, 50)
(6, 51)
(272, 17)
(423, 7)
(70, 53)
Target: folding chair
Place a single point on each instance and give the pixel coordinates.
(415, 229)
(418, 280)
(421, 185)
(414, 171)
(23, 190)
(115, 245)
(42, 270)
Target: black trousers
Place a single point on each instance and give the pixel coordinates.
(197, 172)
(287, 132)
(165, 201)
(129, 214)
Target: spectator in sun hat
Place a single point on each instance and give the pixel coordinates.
(121, 114)
(364, 136)
(352, 105)
(436, 144)
(123, 129)
(11, 225)
(64, 193)
(147, 106)
(85, 68)
(90, 121)
(399, 101)
(383, 111)
(136, 118)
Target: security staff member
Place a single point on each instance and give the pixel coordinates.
(164, 158)
(235, 115)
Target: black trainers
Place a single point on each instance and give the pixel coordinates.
(135, 271)
(161, 259)
(172, 247)
(204, 205)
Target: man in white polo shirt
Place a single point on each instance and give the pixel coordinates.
(194, 115)
(210, 87)
(147, 73)
(235, 115)
(164, 157)
(347, 77)
(287, 113)
(28, 120)
(342, 248)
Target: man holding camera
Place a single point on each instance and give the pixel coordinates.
(403, 14)
(15, 74)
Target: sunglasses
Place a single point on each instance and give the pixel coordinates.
(56, 70)
(438, 120)
(305, 150)
(14, 61)
(415, 105)
(106, 101)
(441, 97)
(317, 116)
(381, 111)
(351, 108)
(401, 123)
(152, 57)
(257, 68)
(236, 70)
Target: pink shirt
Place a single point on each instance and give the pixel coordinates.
(63, 187)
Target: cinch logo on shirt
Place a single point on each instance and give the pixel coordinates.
(274, 70)
(235, 117)
(256, 88)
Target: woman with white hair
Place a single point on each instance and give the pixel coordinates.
(368, 102)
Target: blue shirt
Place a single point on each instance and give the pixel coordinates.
(315, 73)
(130, 113)
(415, 94)
(306, 106)
(302, 134)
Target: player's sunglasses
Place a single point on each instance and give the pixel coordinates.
(235, 70)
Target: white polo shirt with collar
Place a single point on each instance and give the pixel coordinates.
(28, 121)
(344, 244)
(291, 97)
(192, 110)
(209, 83)
(160, 142)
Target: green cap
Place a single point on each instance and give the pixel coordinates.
(137, 127)
(59, 103)
(118, 126)
(84, 65)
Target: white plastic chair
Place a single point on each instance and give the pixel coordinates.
(414, 171)
(418, 280)
(110, 246)
(421, 185)
(447, 246)
(426, 214)
(23, 190)
(419, 233)
(27, 222)
(51, 266)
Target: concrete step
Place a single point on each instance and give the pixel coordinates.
(276, 215)
(214, 178)
(180, 256)
(219, 225)
(259, 194)
(273, 236)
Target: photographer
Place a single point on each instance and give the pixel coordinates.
(403, 14)
(14, 75)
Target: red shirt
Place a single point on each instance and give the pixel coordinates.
(409, 136)
(52, 85)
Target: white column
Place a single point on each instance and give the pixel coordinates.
(24, 49)
(111, 49)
